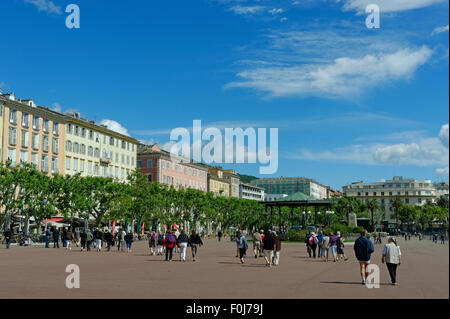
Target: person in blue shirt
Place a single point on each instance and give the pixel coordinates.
(363, 250)
(48, 233)
(319, 244)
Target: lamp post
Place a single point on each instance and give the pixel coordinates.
(327, 214)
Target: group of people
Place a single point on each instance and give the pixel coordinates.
(267, 245)
(323, 243)
(169, 242)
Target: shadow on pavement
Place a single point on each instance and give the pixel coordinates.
(350, 283)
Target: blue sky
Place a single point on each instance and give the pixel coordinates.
(350, 103)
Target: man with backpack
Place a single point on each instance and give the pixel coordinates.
(89, 239)
(169, 242)
(312, 242)
(98, 236)
(160, 244)
(269, 244)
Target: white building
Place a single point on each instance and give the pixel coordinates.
(408, 190)
(441, 189)
(252, 192)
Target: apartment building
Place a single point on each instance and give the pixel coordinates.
(94, 150)
(234, 182)
(292, 185)
(251, 192)
(31, 134)
(217, 183)
(409, 190)
(442, 189)
(161, 167)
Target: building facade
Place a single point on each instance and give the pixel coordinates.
(408, 190)
(94, 150)
(32, 134)
(234, 181)
(292, 185)
(217, 183)
(159, 166)
(442, 189)
(251, 192)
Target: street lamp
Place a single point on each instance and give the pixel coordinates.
(328, 213)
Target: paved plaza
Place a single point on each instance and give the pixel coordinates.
(36, 272)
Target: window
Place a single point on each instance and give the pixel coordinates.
(111, 155)
(83, 132)
(149, 163)
(55, 128)
(90, 151)
(23, 157)
(55, 146)
(96, 169)
(139, 164)
(128, 160)
(25, 120)
(164, 164)
(35, 160)
(46, 126)
(77, 130)
(55, 165)
(91, 134)
(419, 200)
(68, 160)
(128, 146)
(117, 157)
(44, 164)
(407, 200)
(104, 139)
(11, 156)
(123, 144)
(123, 159)
(97, 153)
(81, 166)
(83, 149)
(25, 138)
(69, 128)
(45, 144)
(111, 141)
(69, 146)
(75, 147)
(75, 164)
(89, 168)
(13, 116)
(12, 137)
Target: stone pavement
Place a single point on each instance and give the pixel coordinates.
(36, 272)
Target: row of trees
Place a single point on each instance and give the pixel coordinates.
(27, 192)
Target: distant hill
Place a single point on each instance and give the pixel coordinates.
(247, 178)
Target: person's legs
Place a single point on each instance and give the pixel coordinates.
(314, 247)
(326, 251)
(170, 253)
(308, 248)
(276, 259)
(333, 251)
(69, 245)
(362, 268)
(242, 254)
(391, 270)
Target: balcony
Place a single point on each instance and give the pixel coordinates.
(105, 160)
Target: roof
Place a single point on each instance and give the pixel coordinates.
(296, 197)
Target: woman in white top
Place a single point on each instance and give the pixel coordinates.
(393, 257)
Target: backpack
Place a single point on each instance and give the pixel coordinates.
(89, 236)
(313, 240)
(171, 240)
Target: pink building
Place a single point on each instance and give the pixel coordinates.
(159, 167)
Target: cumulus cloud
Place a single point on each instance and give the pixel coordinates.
(343, 77)
(443, 135)
(45, 5)
(440, 30)
(115, 126)
(275, 11)
(388, 5)
(442, 171)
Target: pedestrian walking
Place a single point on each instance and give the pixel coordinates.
(121, 240)
(89, 239)
(48, 233)
(8, 234)
(393, 258)
(83, 239)
(269, 244)
(363, 248)
(68, 239)
(109, 239)
(312, 243)
(243, 246)
(98, 236)
(333, 245)
(219, 235)
(129, 238)
(237, 239)
(196, 242)
(183, 242)
(319, 244)
(55, 238)
(325, 245)
(340, 247)
(160, 244)
(276, 258)
(308, 246)
(443, 239)
(77, 237)
(257, 244)
(169, 242)
(63, 237)
(152, 243)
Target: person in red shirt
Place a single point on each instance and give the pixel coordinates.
(169, 242)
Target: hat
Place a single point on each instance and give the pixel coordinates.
(261, 231)
(269, 231)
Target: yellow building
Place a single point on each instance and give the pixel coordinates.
(217, 184)
(94, 150)
(234, 182)
(32, 134)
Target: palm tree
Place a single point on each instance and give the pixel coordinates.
(396, 204)
(373, 205)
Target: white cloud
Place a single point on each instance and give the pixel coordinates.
(342, 78)
(115, 126)
(388, 5)
(247, 10)
(424, 152)
(45, 5)
(57, 107)
(283, 19)
(275, 11)
(440, 30)
(442, 171)
(443, 135)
